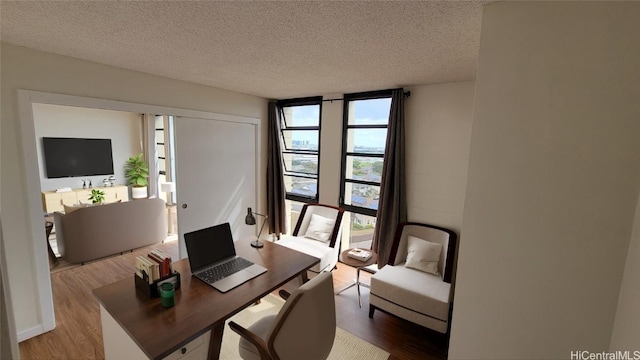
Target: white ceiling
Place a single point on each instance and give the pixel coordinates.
(269, 49)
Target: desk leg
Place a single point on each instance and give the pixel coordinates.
(303, 278)
(216, 341)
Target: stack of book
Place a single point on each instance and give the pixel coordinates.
(155, 266)
(359, 254)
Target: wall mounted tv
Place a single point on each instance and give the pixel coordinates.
(67, 157)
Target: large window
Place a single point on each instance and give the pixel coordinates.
(300, 129)
(366, 118)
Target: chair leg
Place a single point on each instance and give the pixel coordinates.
(371, 310)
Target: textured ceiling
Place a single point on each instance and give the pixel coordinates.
(268, 49)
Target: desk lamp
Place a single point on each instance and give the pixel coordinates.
(251, 220)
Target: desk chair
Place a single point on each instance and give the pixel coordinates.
(304, 328)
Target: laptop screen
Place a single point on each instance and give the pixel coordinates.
(209, 245)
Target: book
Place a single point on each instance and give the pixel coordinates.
(160, 261)
(144, 269)
(166, 259)
(359, 254)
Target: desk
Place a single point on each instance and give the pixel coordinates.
(199, 308)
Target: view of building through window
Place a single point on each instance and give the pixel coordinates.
(366, 121)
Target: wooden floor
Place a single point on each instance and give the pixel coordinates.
(78, 334)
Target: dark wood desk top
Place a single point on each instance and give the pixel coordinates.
(159, 331)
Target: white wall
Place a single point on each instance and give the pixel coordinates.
(626, 329)
(438, 132)
(553, 180)
(123, 128)
(33, 70)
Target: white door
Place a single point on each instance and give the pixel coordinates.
(215, 175)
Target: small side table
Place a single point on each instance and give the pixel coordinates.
(358, 264)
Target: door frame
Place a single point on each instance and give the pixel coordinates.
(35, 230)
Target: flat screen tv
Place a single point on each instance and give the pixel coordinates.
(68, 157)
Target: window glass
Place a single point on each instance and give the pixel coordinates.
(301, 139)
(301, 163)
(366, 119)
(370, 111)
(302, 115)
(364, 168)
(300, 133)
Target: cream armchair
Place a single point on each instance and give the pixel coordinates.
(304, 328)
(416, 282)
(317, 233)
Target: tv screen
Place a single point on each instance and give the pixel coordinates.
(67, 157)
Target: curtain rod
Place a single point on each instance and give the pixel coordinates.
(406, 94)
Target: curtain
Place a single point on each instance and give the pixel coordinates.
(392, 206)
(275, 177)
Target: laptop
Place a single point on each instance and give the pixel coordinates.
(212, 257)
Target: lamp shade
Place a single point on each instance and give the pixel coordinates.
(250, 219)
(168, 187)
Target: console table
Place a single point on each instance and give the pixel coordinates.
(54, 201)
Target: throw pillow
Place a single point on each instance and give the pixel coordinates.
(71, 208)
(320, 228)
(423, 255)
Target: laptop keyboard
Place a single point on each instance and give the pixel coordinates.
(225, 269)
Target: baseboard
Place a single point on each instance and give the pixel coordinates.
(30, 332)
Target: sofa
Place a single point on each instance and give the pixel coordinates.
(97, 231)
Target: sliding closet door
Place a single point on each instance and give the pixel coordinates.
(215, 175)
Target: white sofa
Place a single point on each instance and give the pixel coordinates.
(324, 243)
(417, 295)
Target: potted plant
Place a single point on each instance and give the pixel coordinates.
(97, 196)
(137, 171)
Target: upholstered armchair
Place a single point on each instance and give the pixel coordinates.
(304, 328)
(415, 284)
(317, 233)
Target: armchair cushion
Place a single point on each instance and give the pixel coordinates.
(421, 292)
(320, 228)
(423, 255)
(317, 249)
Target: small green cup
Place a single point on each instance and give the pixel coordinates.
(167, 295)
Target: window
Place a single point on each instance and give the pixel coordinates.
(366, 118)
(300, 130)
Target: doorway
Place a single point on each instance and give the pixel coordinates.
(36, 231)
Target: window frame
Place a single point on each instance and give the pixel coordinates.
(348, 98)
(281, 104)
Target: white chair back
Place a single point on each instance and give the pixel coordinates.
(427, 233)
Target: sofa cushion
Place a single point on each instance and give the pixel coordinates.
(320, 228)
(423, 255)
(416, 290)
(310, 247)
(71, 208)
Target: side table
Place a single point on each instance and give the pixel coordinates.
(358, 264)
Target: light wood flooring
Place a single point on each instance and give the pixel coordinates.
(78, 334)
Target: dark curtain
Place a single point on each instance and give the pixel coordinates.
(275, 178)
(392, 207)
